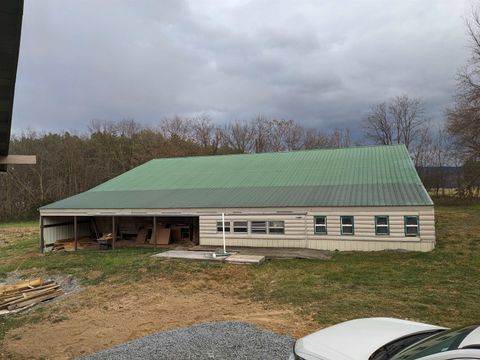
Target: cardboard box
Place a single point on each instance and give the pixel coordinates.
(162, 236)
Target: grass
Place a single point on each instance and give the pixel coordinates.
(439, 287)
(22, 224)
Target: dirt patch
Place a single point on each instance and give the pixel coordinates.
(93, 275)
(105, 315)
(13, 234)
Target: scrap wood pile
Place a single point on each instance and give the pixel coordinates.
(21, 296)
(69, 244)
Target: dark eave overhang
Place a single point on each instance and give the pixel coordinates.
(11, 12)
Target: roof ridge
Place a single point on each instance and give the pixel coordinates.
(356, 147)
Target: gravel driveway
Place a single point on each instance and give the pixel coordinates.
(215, 340)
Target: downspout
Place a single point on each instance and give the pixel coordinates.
(306, 232)
(223, 233)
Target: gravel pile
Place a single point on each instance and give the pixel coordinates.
(215, 340)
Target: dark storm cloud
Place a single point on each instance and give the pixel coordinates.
(319, 62)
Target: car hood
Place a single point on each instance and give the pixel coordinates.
(357, 339)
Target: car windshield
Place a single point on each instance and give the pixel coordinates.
(447, 340)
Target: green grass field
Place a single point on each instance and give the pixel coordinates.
(18, 224)
(441, 287)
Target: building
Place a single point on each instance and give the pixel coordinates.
(363, 198)
(11, 13)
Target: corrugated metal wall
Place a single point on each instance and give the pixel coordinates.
(62, 232)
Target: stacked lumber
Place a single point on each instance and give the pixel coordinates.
(21, 296)
(69, 244)
(106, 237)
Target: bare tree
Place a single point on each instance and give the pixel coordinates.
(203, 130)
(294, 136)
(239, 136)
(340, 138)
(402, 120)
(176, 127)
(463, 121)
(378, 126)
(409, 119)
(262, 134)
(315, 139)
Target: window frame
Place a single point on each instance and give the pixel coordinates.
(405, 225)
(252, 231)
(352, 225)
(240, 227)
(324, 217)
(387, 225)
(227, 225)
(276, 233)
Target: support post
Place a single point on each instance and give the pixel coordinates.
(75, 237)
(114, 233)
(42, 239)
(154, 232)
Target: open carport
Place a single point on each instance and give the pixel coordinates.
(110, 231)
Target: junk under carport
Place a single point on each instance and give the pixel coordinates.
(107, 232)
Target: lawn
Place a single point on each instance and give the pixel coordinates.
(441, 287)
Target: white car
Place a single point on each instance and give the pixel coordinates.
(388, 339)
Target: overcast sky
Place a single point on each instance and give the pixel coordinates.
(320, 62)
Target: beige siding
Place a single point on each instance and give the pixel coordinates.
(294, 231)
(299, 230)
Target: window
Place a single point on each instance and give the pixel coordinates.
(219, 226)
(320, 225)
(240, 226)
(444, 341)
(346, 225)
(259, 227)
(411, 226)
(382, 225)
(276, 227)
(387, 351)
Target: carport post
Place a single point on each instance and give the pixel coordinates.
(114, 233)
(75, 240)
(154, 232)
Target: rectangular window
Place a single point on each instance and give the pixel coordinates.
(411, 226)
(347, 225)
(219, 226)
(382, 225)
(259, 227)
(320, 225)
(240, 226)
(276, 227)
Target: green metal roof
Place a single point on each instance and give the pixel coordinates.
(361, 176)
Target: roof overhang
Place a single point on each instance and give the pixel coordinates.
(18, 160)
(11, 12)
